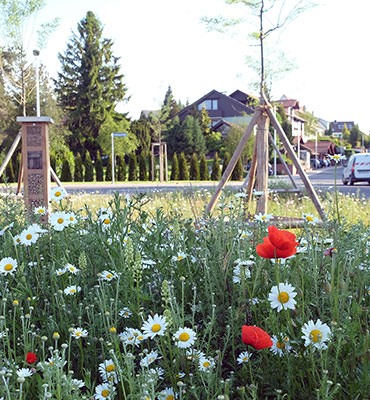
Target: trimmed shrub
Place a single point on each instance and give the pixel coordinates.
(66, 175)
(183, 168)
(89, 168)
(53, 162)
(9, 172)
(99, 168)
(203, 169)
(227, 158)
(216, 171)
(194, 168)
(79, 169)
(237, 174)
(175, 173)
(143, 173)
(121, 168)
(132, 167)
(108, 170)
(16, 165)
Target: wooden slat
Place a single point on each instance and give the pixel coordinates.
(262, 162)
(10, 152)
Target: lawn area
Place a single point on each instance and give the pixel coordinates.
(143, 297)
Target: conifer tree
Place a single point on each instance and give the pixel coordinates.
(216, 171)
(121, 168)
(79, 171)
(9, 172)
(237, 174)
(66, 171)
(132, 168)
(183, 168)
(90, 84)
(203, 169)
(99, 168)
(89, 168)
(175, 173)
(143, 174)
(227, 158)
(16, 165)
(53, 162)
(194, 168)
(108, 170)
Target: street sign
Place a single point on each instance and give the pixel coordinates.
(119, 134)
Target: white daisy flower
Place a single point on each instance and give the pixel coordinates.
(243, 357)
(58, 193)
(24, 372)
(132, 336)
(281, 261)
(72, 218)
(8, 265)
(17, 240)
(83, 232)
(105, 221)
(240, 195)
(240, 272)
(105, 391)
(316, 334)
(180, 256)
(148, 359)
(108, 276)
(154, 326)
(167, 394)
(5, 228)
(282, 297)
(29, 236)
(40, 210)
(125, 312)
(280, 346)
(77, 384)
(195, 354)
(263, 217)
(310, 218)
(79, 333)
(206, 364)
(184, 337)
(336, 157)
(107, 371)
(59, 220)
(72, 290)
(60, 271)
(72, 269)
(244, 234)
(104, 212)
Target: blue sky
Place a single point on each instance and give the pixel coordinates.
(163, 43)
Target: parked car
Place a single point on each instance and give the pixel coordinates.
(357, 169)
(315, 164)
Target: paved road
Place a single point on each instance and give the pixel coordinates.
(321, 179)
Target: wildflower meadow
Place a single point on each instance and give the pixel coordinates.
(135, 301)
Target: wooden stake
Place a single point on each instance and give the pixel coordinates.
(55, 177)
(20, 176)
(10, 152)
(152, 163)
(252, 175)
(165, 161)
(302, 173)
(234, 159)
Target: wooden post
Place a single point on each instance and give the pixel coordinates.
(234, 159)
(160, 162)
(262, 160)
(10, 152)
(283, 161)
(153, 163)
(55, 177)
(165, 161)
(35, 160)
(20, 176)
(252, 174)
(302, 173)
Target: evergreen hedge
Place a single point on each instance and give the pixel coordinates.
(79, 169)
(89, 168)
(108, 170)
(121, 168)
(66, 175)
(183, 168)
(216, 171)
(194, 168)
(203, 169)
(175, 173)
(237, 174)
(143, 173)
(226, 161)
(132, 168)
(99, 168)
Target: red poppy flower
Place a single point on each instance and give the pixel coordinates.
(278, 244)
(31, 358)
(256, 337)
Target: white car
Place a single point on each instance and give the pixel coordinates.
(357, 169)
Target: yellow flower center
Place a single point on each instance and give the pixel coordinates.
(106, 221)
(73, 291)
(113, 329)
(109, 276)
(105, 393)
(40, 211)
(71, 269)
(156, 328)
(57, 194)
(309, 218)
(283, 297)
(180, 257)
(280, 345)
(71, 219)
(78, 333)
(18, 240)
(316, 335)
(60, 220)
(29, 236)
(263, 217)
(245, 358)
(206, 364)
(169, 397)
(184, 337)
(110, 368)
(8, 267)
(140, 337)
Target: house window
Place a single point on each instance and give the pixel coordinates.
(209, 105)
